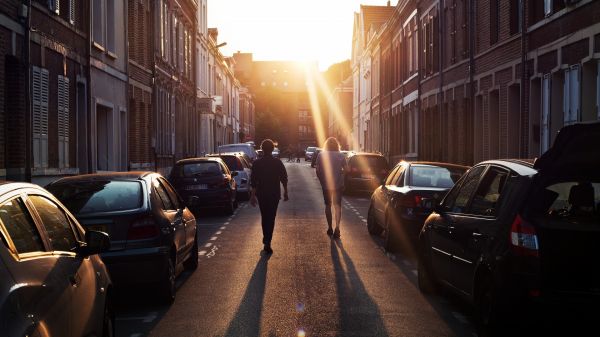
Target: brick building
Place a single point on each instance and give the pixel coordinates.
(473, 80)
(340, 114)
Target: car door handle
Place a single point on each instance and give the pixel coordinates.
(477, 235)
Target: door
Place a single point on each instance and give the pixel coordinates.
(443, 226)
(64, 238)
(474, 227)
(43, 296)
(172, 214)
(187, 219)
(384, 194)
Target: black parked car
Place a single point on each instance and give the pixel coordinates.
(516, 237)
(52, 282)
(152, 233)
(365, 172)
(205, 183)
(402, 203)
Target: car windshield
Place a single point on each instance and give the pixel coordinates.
(85, 197)
(373, 162)
(434, 176)
(233, 163)
(203, 168)
(234, 148)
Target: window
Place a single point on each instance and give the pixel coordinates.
(99, 196)
(98, 22)
(547, 7)
(20, 227)
(40, 97)
(171, 192)
(57, 224)
(457, 199)
(572, 93)
(72, 11)
(545, 132)
(110, 25)
(63, 121)
(54, 6)
(392, 176)
(434, 176)
(489, 192)
(163, 195)
(515, 16)
(494, 20)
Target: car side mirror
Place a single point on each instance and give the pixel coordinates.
(439, 208)
(234, 173)
(95, 243)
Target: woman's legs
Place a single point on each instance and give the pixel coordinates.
(328, 215)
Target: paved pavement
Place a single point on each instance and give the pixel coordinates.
(311, 285)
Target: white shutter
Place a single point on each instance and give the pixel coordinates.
(545, 134)
(566, 97)
(575, 94)
(63, 121)
(40, 116)
(547, 7)
(72, 11)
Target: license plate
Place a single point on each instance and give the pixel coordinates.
(98, 228)
(427, 203)
(196, 187)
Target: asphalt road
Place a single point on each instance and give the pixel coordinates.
(311, 285)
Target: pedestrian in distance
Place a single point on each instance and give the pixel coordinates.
(331, 166)
(267, 173)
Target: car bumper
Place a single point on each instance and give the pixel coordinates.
(136, 266)
(363, 184)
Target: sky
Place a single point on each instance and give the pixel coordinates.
(290, 30)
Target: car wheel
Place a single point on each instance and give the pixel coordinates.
(372, 226)
(230, 208)
(489, 314)
(391, 237)
(167, 285)
(427, 283)
(192, 262)
(108, 324)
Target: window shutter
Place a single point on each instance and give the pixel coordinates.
(40, 116)
(566, 97)
(545, 134)
(575, 93)
(63, 121)
(72, 11)
(54, 6)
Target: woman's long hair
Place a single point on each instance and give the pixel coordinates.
(332, 145)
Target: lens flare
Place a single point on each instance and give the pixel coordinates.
(301, 333)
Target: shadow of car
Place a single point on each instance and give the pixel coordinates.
(52, 281)
(153, 233)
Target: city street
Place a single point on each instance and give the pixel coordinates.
(311, 285)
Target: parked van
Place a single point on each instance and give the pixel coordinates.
(246, 148)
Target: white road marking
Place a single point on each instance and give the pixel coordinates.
(208, 245)
(460, 317)
(213, 238)
(218, 232)
(414, 271)
(223, 227)
(137, 334)
(227, 223)
(202, 252)
(212, 252)
(363, 220)
(406, 262)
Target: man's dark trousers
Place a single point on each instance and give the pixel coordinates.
(268, 211)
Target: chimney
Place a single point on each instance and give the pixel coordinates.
(388, 3)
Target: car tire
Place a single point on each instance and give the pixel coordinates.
(230, 208)
(391, 236)
(372, 225)
(192, 261)
(489, 313)
(427, 283)
(108, 323)
(167, 287)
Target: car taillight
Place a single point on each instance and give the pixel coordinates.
(523, 238)
(142, 229)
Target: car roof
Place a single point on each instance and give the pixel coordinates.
(199, 159)
(352, 154)
(433, 163)
(130, 175)
(522, 167)
(236, 144)
(7, 186)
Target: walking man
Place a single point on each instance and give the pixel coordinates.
(267, 174)
(331, 165)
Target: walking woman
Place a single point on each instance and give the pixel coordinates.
(331, 165)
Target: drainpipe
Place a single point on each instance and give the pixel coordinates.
(471, 72)
(441, 78)
(524, 80)
(90, 156)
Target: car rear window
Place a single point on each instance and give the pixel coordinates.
(85, 197)
(377, 162)
(233, 163)
(205, 168)
(311, 149)
(572, 199)
(434, 176)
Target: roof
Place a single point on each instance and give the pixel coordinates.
(130, 175)
(374, 16)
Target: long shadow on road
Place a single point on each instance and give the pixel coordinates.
(359, 314)
(246, 321)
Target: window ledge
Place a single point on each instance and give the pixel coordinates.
(111, 54)
(98, 46)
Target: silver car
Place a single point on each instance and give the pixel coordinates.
(52, 281)
(236, 162)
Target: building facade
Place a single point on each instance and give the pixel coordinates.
(474, 80)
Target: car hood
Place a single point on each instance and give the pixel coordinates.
(576, 149)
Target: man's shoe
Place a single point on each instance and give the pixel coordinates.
(268, 249)
(336, 234)
(330, 231)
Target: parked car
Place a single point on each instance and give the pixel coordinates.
(308, 154)
(313, 159)
(402, 203)
(52, 281)
(365, 172)
(152, 233)
(246, 148)
(236, 163)
(276, 153)
(516, 238)
(205, 182)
